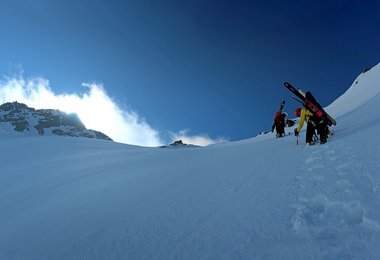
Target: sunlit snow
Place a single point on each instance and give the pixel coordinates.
(261, 198)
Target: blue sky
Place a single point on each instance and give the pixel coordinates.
(215, 68)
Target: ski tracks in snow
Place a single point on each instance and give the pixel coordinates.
(334, 218)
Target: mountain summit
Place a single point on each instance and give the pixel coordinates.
(21, 118)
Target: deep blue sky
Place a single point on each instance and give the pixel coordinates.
(215, 67)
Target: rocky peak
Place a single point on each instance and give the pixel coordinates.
(22, 118)
(179, 144)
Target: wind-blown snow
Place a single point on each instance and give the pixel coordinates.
(262, 198)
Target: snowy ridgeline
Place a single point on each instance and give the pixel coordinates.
(18, 117)
(261, 198)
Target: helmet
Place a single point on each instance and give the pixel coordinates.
(285, 114)
(297, 112)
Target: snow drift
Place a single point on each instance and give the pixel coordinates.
(261, 198)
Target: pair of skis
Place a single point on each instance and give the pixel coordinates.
(310, 103)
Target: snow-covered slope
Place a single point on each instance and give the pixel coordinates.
(262, 198)
(365, 87)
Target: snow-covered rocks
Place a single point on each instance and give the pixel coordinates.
(21, 118)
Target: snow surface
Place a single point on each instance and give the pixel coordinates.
(261, 198)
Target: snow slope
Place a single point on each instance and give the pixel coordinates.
(261, 198)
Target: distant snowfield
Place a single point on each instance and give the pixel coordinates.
(261, 198)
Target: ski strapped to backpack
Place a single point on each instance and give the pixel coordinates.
(278, 113)
(282, 106)
(310, 103)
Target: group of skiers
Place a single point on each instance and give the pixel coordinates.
(313, 124)
(316, 118)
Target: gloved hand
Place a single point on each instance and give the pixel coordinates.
(296, 132)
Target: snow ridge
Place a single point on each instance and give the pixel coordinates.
(365, 87)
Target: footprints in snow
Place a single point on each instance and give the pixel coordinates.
(343, 186)
(332, 215)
